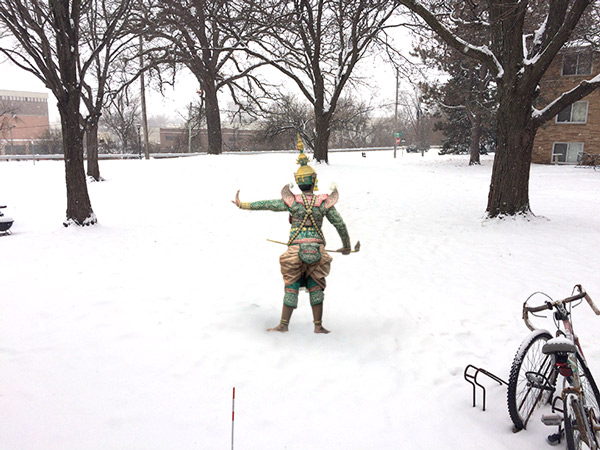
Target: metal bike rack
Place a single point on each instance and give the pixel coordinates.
(471, 374)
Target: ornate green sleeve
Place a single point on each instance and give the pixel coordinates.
(269, 205)
(336, 220)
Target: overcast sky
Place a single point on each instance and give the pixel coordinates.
(176, 100)
(13, 78)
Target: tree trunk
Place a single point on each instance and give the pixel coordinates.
(322, 137)
(509, 189)
(79, 208)
(91, 140)
(143, 101)
(475, 138)
(213, 119)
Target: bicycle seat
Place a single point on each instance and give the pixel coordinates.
(558, 345)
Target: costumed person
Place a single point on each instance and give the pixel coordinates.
(305, 263)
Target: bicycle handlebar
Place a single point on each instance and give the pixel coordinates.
(592, 305)
(551, 305)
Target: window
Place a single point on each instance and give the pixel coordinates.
(567, 152)
(574, 113)
(577, 64)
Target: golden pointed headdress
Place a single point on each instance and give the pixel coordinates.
(305, 174)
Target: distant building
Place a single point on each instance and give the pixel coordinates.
(576, 129)
(23, 121)
(177, 139)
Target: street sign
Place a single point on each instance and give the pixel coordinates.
(397, 135)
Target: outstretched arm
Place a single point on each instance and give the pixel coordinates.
(336, 220)
(266, 205)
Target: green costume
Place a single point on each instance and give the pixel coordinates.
(305, 263)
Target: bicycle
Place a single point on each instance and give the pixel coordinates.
(535, 370)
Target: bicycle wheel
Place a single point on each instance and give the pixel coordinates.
(575, 428)
(582, 425)
(532, 377)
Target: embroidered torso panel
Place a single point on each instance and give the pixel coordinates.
(306, 216)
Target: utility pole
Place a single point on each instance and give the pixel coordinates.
(190, 130)
(139, 141)
(10, 128)
(396, 111)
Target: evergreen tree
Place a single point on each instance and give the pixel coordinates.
(466, 97)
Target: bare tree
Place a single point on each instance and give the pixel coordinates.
(468, 92)
(317, 44)
(122, 116)
(8, 111)
(47, 35)
(411, 113)
(46, 38)
(104, 24)
(50, 143)
(289, 117)
(350, 125)
(381, 128)
(524, 39)
(208, 37)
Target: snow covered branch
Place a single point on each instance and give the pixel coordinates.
(565, 99)
(479, 52)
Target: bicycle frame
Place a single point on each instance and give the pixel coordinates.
(567, 367)
(566, 363)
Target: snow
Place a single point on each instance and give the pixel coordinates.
(539, 33)
(537, 38)
(561, 340)
(537, 113)
(485, 49)
(531, 61)
(525, 343)
(132, 333)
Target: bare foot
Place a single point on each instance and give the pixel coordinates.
(320, 329)
(282, 328)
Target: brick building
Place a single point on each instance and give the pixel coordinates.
(575, 130)
(177, 139)
(23, 121)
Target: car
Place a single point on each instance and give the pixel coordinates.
(416, 149)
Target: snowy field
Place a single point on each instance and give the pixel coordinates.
(131, 334)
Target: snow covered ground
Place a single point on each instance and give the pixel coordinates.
(131, 334)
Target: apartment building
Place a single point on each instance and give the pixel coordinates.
(575, 132)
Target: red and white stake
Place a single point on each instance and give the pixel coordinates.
(232, 416)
